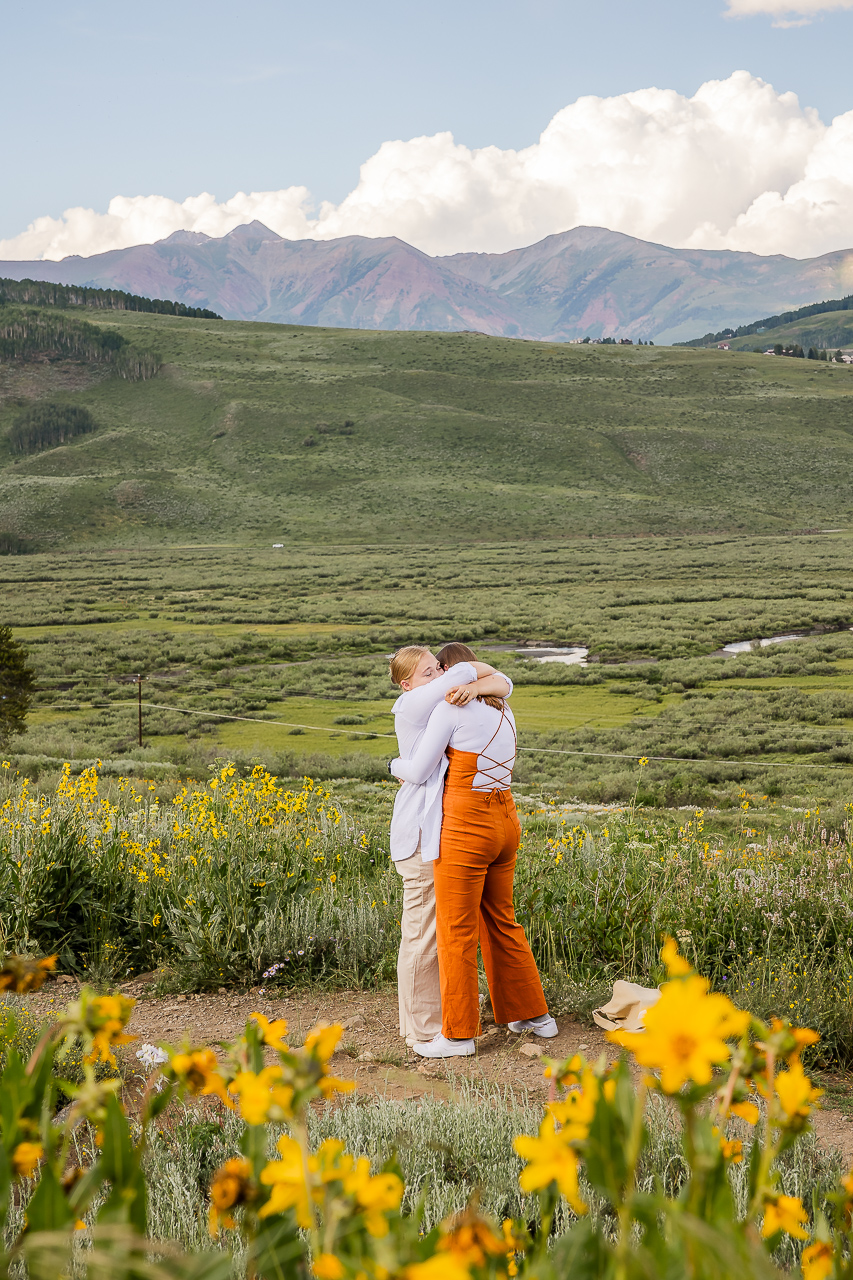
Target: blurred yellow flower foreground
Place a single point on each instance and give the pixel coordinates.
(327, 1213)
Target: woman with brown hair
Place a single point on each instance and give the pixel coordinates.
(416, 824)
(474, 873)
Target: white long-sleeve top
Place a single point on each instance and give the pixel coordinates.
(417, 806)
(476, 728)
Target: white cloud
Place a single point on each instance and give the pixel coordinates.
(787, 13)
(736, 166)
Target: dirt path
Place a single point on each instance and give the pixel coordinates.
(374, 1055)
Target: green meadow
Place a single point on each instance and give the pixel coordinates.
(651, 504)
(280, 656)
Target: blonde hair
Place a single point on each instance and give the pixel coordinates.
(455, 652)
(405, 662)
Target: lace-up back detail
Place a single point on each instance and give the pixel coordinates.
(488, 769)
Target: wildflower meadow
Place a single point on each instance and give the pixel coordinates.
(242, 876)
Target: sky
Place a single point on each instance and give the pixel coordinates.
(457, 126)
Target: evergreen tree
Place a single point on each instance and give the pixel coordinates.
(17, 683)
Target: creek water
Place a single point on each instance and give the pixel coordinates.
(569, 657)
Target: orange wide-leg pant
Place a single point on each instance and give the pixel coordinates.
(474, 874)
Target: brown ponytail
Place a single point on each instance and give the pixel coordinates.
(456, 652)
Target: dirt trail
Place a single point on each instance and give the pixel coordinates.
(372, 1051)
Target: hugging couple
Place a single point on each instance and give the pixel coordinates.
(454, 839)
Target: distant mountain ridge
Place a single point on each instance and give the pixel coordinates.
(585, 282)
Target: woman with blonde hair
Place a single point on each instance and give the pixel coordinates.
(474, 873)
(416, 824)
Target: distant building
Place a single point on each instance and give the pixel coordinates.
(723, 346)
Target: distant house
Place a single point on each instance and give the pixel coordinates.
(626, 342)
(723, 346)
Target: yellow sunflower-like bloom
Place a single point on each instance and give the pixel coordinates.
(375, 1195)
(550, 1158)
(25, 1158)
(328, 1267)
(323, 1040)
(471, 1239)
(785, 1213)
(287, 1179)
(330, 1162)
(197, 1072)
(686, 1031)
(441, 1266)
(21, 975)
(676, 965)
(747, 1111)
(262, 1095)
(802, 1037)
(795, 1093)
(272, 1032)
(231, 1186)
(817, 1261)
(576, 1111)
(105, 1018)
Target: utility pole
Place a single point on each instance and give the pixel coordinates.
(139, 701)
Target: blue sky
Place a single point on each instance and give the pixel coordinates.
(180, 97)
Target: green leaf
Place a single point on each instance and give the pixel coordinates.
(279, 1252)
(48, 1210)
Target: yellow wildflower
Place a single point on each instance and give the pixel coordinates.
(262, 1095)
(21, 975)
(676, 965)
(550, 1158)
(747, 1111)
(328, 1267)
(785, 1213)
(817, 1261)
(25, 1158)
(577, 1109)
(440, 1266)
(795, 1093)
(685, 1033)
(470, 1238)
(322, 1041)
(197, 1071)
(102, 1019)
(231, 1186)
(287, 1179)
(374, 1195)
(272, 1032)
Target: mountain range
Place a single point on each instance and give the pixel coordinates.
(585, 282)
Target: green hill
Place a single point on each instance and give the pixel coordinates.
(263, 433)
(827, 332)
(798, 317)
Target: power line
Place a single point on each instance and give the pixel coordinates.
(615, 755)
(558, 751)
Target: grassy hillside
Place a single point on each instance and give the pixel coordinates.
(828, 331)
(456, 437)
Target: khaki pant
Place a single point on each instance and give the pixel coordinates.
(417, 963)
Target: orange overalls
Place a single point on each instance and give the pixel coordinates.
(473, 900)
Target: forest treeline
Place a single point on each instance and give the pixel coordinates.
(45, 425)
(46, 335)
(43, 293)
(773, 322)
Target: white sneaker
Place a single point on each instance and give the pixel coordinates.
(440, 1047)
(544, 1026)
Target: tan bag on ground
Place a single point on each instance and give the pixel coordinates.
(627, 1008)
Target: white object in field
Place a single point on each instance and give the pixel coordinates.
(627, 1008)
